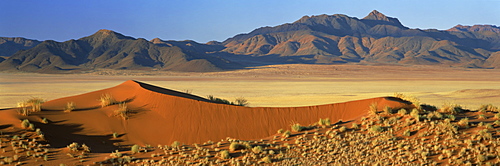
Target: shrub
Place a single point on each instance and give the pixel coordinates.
(122, 110)
(373, 109)
(415, 114)
(342, 129)
(219, 100)
(355, 126)
(236, 146)
(224, 154)
(280, 131)
(25, 123)
(451, 108)
(464, 122)
(45, 121)
(414, 100)
(488, 107)
(402, 111)
(286, 134)
(376, 129)
(257, 149)
(107, 100)
(134, 149)
(176, 144)
(387, 110)
(324, 122)
(266, 159)
(70, 106)
(296, 127)
(481, 117)
(482, 158)
(31, 105)
(407, 133)
(240, 101)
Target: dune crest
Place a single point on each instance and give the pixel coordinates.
(162, 116)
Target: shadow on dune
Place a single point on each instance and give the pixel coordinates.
(61, 135)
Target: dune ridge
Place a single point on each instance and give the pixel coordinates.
(162, 116)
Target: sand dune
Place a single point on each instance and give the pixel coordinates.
(161, 116)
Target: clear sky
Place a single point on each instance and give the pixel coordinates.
(206, 20)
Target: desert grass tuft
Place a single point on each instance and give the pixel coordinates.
(122, 110)
(70, 106)
(107, 100)
(297, 127)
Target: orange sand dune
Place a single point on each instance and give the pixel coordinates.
(161, 116)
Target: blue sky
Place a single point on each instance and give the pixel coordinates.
(206, 20)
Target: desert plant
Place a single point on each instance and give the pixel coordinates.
(25, 123)
(31, 105)
(280, 131)
(236, 146)
(451, 108)
(482, 158)
(286, 134)
(134, 149)
(414, 100)
(464, 122)
(122, 110)
(407, 133)
(355, 126)
(376, 129)
(107, 100)
(241, 101)
(402, 112)
(296, 127)
(342, 129)
(224, 154)
(266, 159)
(387, 110)
(481, 116)
(45, 121)
(257, 149)
(373, 109)
(488, 107)
(219, 100)
(324, 122)
(176, 144)
(70, 106)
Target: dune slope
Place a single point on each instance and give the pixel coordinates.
(161, 116)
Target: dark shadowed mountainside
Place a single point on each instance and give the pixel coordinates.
(10, 45)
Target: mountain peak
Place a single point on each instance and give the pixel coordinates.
(376, 15)
(375, 18)
(105, 33)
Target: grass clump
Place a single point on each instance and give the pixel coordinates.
(266, 159)
(224, 154)
(376, 129)
(373, 109)
(257, 149)
(236, 146)
(122, 110)
(488, 107)
(414, 100)
(107, 100)
(324, 122)
(70, 106)
(134, 149)
(297, 127)
(31, 105)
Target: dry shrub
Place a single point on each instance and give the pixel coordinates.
(107, 100)
(122, 110)
(70, 106)
(31, 105)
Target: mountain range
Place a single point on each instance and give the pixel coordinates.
(322, 39)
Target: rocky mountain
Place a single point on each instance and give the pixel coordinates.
(10, 45)
(375, 38)
(322, 39)
(111, 50)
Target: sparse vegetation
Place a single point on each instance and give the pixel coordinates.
(70, 106)
(122, 110)
(107, 100)
(29, 106)
(240, 101)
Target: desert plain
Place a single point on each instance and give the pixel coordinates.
(298, 115)
(279, 85)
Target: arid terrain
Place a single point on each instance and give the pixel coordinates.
(298, 115)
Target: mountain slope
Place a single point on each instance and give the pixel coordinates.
(108, 49)
(374, 39)
(9, 46)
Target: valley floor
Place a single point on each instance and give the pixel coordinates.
(279, 85)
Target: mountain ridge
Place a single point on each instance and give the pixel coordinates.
(321, 39)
